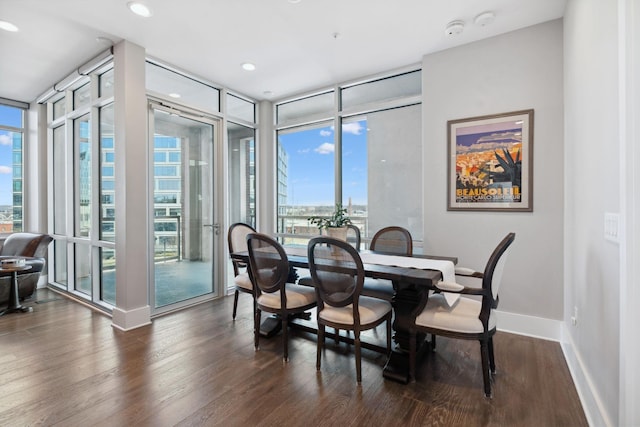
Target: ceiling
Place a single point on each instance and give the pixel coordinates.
(296, 46)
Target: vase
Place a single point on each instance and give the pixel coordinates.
(337, 233)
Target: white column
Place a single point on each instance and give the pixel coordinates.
(132, 250)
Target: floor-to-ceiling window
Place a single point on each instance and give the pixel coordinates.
(80, 119)
(11, 166)
(369, 165)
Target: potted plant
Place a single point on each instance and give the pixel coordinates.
(335, 225)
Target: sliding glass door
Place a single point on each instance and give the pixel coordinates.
(184, 228)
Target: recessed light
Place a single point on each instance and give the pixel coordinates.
(8, 26)
(139, 9)
(248, 66)
(267, 93)
(175, 95)
(294, 1)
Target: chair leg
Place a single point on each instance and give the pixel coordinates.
(256, 328)
(337, 337)
(285, 338)
(492, 362)
(433, 342)
(412, 355)
(235, 303)
(320, 344)
(389, 336)
(484, 353)
(356, 340)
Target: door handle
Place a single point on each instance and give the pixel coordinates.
(215, 227)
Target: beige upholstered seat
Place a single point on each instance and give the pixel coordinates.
(237, 241)
(338, 276)
(269, 271)
(468, 318)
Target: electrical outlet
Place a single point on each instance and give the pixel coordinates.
(611, 227)
(574, 318)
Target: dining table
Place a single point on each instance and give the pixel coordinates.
(412, 279)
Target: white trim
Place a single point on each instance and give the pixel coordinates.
(594, 408)
(531, 326)
(131, 319)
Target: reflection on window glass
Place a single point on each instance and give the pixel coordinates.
(83, 268)
(373, 169)
(108, 172)
(60, 260)
(82, 145)
(305, 177)
(317, 105)
(242, 179)
(181, 88)
(59, 181)
(237, 107)
(59, 108)
(400, 86)
(106, 84)
(108, 275)
(82, 96)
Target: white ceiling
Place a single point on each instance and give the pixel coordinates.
(292, 44)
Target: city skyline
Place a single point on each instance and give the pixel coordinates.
(12, 117)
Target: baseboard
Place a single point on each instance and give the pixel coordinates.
(530, 326)
(593, 407)
(132, 319)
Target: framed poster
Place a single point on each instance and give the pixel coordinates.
(490, 163)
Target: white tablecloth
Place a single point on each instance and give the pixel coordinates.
(446, 267)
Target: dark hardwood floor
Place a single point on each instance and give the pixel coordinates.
(65, 365)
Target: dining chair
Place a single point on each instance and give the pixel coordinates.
(353, 236)
(391, 240)
(338, 276)
(237, 240)
(269, 271)
(469, 318)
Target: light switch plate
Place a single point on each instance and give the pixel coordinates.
(612, 227)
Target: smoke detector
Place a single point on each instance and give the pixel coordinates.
(485, 18)
(454, 28)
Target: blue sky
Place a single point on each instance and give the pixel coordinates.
(311, 164)
(8, 117)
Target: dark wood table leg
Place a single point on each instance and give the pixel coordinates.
(404, 302)
(14, 298)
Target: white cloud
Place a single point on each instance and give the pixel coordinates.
(354, 128)
(324, 133)
(6, 170)
(304, 151)
(5, 139)
(326, 148)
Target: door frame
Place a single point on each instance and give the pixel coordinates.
(216, 205)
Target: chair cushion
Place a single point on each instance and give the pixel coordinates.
(462, 317)
(371, 310)
(378, 288)
(297, 296)
(243, 281)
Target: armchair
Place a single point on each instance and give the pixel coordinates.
(30, 245)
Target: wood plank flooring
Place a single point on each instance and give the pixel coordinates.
(64, 365)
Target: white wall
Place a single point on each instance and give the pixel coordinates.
(516, 71)
(592, 168)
